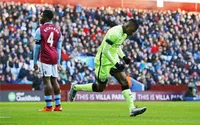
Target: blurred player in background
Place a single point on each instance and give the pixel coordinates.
(48, 42)
(107, 62)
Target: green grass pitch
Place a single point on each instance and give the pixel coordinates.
(101, 113)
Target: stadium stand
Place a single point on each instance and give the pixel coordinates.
(165, 50)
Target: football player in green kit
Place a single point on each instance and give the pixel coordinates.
(107, 63)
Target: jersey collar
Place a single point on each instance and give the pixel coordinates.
(48, 23)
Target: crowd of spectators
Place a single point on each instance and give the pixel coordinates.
(165, 50)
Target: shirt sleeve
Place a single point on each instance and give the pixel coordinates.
(114, 35)
(106, 52)
(111, 37)
(120, 52)
(59, 46)
(36, 51)
(37, 36)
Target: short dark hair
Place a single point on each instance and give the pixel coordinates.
(48, 14)
(134, 22)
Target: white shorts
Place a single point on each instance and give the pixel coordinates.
(48, 70)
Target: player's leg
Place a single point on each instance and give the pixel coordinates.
(56, 88)
(57, 95)
(91, 87)
(121, 78)
(47, 94)
(44, 69)
(102, 73)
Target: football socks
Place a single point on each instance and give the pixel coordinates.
(48, 100)
(85, 87)
(129, 98)
(57, 99)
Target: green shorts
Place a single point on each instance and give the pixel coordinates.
(103, 72)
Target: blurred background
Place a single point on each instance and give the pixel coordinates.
(165, 51)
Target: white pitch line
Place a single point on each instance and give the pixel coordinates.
(4, 117)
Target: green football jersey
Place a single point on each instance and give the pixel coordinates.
(116, 35)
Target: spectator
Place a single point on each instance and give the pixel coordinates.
(37, 81)
(70, 80)
(22, 74)
(63, 76)
(179, 61)
(161, 34)
(3, 58)
(154, 48)
(25, 81)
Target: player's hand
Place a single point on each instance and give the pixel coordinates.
(126, 59)
(120, 67)
(35, 67)
(59, 67)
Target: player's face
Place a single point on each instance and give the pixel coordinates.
(130, 29)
